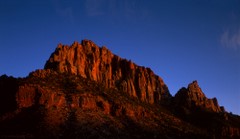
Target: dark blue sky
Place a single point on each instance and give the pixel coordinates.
(180, 40)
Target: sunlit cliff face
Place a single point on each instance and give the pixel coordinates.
(99, 64)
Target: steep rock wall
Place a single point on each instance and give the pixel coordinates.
(99, 64)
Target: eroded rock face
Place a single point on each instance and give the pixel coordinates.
(99, 64)
(193, 97)
(58, 106)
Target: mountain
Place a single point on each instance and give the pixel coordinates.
(100, 65)
(85, 91)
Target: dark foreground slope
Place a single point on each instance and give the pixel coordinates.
(88, 92)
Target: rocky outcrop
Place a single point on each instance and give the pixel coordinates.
(29, 96)
(94, 98)
(99, 64)
(193, 97)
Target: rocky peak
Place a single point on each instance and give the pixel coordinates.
(101, 65)
(195, 92)
(193, 97)
(194, 88)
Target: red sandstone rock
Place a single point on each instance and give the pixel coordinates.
(193, 96)
(99, 64)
